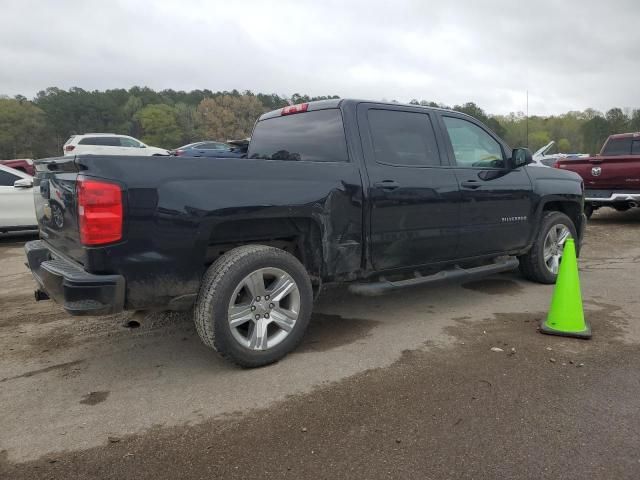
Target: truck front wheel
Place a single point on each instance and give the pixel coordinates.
(542, 262)
(254, 305)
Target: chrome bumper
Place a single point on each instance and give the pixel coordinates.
(615, 197)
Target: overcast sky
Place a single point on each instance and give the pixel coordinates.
(569, 54)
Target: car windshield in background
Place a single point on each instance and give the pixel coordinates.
(618, 146)
(316, 136)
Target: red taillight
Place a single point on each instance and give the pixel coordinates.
(69, 148)
(301, 107)
(99, 211)
(179, 152)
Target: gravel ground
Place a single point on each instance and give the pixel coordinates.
(400, 386)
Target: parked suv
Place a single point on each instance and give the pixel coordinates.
(109, 144)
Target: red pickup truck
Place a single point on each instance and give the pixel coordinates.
(612, 177)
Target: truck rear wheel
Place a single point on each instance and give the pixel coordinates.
(254, 305)
(542, 262)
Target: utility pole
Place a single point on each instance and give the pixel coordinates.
(527, 119)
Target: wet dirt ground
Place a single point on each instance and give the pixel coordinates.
(400, 386)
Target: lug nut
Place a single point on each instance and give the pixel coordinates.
(266, 297)
(253, 308)
(266, 315)
(271, 305)
(257, 317)
(257, 299)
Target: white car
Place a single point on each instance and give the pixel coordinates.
(109, 144)
(542, 157)
(17, 209)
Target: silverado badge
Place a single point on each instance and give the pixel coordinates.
(596, 171)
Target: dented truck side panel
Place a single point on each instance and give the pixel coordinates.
(184, 206)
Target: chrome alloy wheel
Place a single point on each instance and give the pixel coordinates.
(553, 246)
(264, 308)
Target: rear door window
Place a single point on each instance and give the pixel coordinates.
(403, 138)
(104, 141)
(212, 146)
(200, 146)
(129, 142)
(617, 146)
(316, 136)
(635, 147)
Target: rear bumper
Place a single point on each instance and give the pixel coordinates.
(66, 282)
(606, 196)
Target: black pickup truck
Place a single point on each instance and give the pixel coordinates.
(375, 194)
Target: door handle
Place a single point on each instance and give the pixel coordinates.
(471, 184)
(387, 185)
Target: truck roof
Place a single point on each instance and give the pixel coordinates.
(337, 102)
(625, 135)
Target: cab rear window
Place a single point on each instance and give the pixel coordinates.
(316, 136)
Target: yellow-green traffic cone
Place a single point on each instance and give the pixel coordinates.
(566, 317)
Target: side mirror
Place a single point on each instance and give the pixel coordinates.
(142, 145)
(23, 183)
(520, 157)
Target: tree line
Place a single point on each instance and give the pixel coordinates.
(38, 127)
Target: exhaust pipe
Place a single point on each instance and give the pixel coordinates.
(40, 295)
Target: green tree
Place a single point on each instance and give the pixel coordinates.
(159, 125)
(227, 116)
(473, 110)
(595, 132)
(22, 129)
(129, 110)
(617, 120)
(538, 140)
(634, 124)
(564, 145)
(186, 118)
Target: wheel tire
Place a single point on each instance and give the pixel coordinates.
(532, 264)
(588, 210)
(219, 284)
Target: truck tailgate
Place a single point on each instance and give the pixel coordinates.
(56, 210)
(614, 172)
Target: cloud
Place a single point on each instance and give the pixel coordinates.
(568, 55)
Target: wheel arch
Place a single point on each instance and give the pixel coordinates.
(300, 236)
(571, 208)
